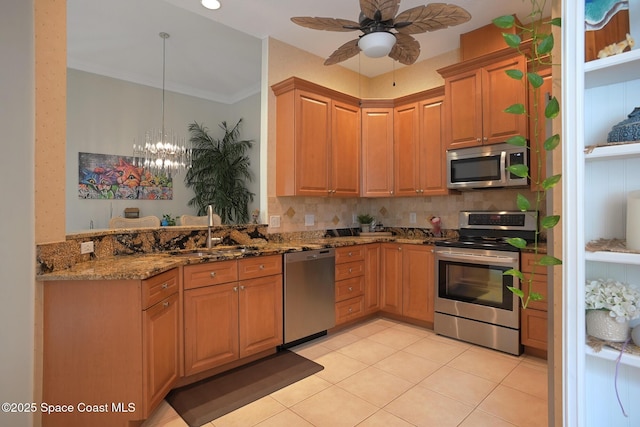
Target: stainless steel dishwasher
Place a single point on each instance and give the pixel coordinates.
(309, 294)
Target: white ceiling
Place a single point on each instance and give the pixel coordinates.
(216, 55)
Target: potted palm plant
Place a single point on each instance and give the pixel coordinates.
(219, 173)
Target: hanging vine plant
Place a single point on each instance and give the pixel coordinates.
(219, 173)
(538, 55)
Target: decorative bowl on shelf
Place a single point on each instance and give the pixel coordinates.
(626, 130)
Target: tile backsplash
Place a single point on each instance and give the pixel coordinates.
(334, 212)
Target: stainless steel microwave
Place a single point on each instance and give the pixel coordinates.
(485, 167)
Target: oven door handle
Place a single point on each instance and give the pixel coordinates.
(508, 261)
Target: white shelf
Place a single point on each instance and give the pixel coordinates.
(612, 354)
(614, 151)
(613, 69)
(613, 257)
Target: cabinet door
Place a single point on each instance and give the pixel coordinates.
(312, 144)
(210, 327)
(406, 150)
(538, 134)
(391, 278)
(260, 314)
(377, 152)
(500, 91)
(417, 278)
(463, 100)
(534, 328)
(372, 278)
(160, 349)
(345, 149)
(433, 177)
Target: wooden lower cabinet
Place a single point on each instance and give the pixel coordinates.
(372, 278)
(350, 270)
(407, 275)
(533, 323)
(225, 322)
(109, 344)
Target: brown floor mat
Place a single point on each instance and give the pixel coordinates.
(213, 397)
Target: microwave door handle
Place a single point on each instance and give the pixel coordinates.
(503, 167)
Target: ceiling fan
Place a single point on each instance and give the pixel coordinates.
(384, 33)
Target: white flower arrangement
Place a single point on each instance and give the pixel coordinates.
(621, 299)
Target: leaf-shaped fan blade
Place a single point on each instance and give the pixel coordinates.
(431, 17)
(387, 8)
(327, 24)
(406, 50)
(344, 52)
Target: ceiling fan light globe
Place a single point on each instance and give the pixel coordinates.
(377, 44)
(211, 4)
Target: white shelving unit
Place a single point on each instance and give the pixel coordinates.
(611, 92)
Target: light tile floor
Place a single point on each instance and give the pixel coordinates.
(388, 373)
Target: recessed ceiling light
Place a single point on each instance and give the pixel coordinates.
(211, 4)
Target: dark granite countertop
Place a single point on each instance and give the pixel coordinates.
(143, 266)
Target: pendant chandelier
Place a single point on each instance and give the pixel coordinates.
(164, 152)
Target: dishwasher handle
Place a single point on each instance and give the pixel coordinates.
(316, 254)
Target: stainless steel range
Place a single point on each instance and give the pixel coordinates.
(472, 302)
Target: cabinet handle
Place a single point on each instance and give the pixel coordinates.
(165, 286)
(399, 248)
(350, 270)
(485, 139)
(165, 304)
(478, 139)
(421, 190)
(235, 289)
(350, 254)
(350, 288)
(350, 310)
(417, 191)
(213, 274)
(391, 192)
(261, 266)
(242, 288)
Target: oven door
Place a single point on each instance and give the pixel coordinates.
(470, 283)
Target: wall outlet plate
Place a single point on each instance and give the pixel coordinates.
(412, 218)
(86, 247)
(274, 221)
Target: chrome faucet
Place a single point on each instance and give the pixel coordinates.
(211, 240)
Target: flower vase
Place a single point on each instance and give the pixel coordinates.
(364, 228)
(601, 325)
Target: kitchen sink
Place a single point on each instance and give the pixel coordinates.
(218, 251)
(212, 252)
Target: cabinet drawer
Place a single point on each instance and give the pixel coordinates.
(527, 260)
(349, 270)
(157, 288)
(250, 268)
(349, 288)
(211, 273)
(349, 309)
(349, 253)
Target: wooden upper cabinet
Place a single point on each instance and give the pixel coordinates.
(406, 150)
(317, 140)
(418, 146)
(345, 149)
(477, 93)
(377, 150)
